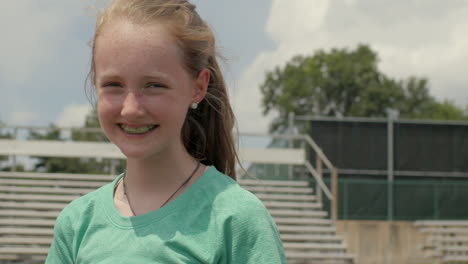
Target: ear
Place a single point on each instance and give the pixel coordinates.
(201, 85)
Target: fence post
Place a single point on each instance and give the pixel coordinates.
(303, 170)
(334, 189)
(345, 199)
(290, 143)
(390, 174)
(318, 168)
(436, 201)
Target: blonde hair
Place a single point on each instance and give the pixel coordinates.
(207, 131)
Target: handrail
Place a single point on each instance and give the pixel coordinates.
(319, 180)
(319, 151)
(321, 186)
(333, 196)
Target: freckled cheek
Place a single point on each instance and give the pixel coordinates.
(173, 112)
(107, 111)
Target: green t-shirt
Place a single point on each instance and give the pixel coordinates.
(213, 221)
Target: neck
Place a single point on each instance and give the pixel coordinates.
(157, 174)
(150, 183)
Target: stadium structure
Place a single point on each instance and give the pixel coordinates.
(349, 190)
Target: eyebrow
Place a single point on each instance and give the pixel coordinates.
(156, 75)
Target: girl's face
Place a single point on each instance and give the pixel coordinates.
(144, 91)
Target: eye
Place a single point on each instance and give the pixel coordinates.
(112, 84)
(111, 87)
(156, 85)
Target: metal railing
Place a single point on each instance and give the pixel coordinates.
(317, 172)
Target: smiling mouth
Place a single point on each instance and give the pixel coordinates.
(137, 130)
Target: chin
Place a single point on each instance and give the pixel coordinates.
(139, 152)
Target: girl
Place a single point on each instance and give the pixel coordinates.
(162, 100)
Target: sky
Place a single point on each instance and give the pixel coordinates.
(45, 53)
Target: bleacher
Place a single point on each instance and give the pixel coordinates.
(447, 240)
(307, 234)
(30, 202)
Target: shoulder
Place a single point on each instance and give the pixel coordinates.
(235, 207)
(228, 197)
(82, 206)
(246, 229)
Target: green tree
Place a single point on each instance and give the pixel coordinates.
(419, 104)
(4, 135)
(346, 83)
(91, 121)
(53, 164)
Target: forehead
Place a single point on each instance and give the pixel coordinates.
(125, 31)
(123, 42)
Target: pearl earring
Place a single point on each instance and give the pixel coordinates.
(194, 105)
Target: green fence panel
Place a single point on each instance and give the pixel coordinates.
(364, 199)
(453, 200)
(413, 201)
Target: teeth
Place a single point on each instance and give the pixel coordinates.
(138, 130)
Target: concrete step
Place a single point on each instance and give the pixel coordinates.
(455, 259)
(37, 197)
(446, 230)
(273, 183)
(53, 183)
(57, 176)
(286, 197)
(27, 222)
(305, 229)
(448, 239)
(24, 250)
(303, 221)
(434, 223)
(269, 189)
(28, 213)
(317, 256)
(291, 205)
(314, 246)
(26, 231)
(28, 240)
(322, 238)
(460, 250)
(297, 213)
(45, 190)
(320, 261)
(29, 259)
(31, 205)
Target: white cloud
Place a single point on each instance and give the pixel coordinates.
(29, 34)
(423, 38)
(73, 115)
(290, 19)
(42, 50)
(23, 118)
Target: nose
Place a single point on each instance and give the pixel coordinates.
(132, 106)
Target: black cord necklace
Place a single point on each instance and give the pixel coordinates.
(185, 182)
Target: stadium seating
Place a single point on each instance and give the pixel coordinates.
(447, 240)
(307, 234)
(30, 202)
